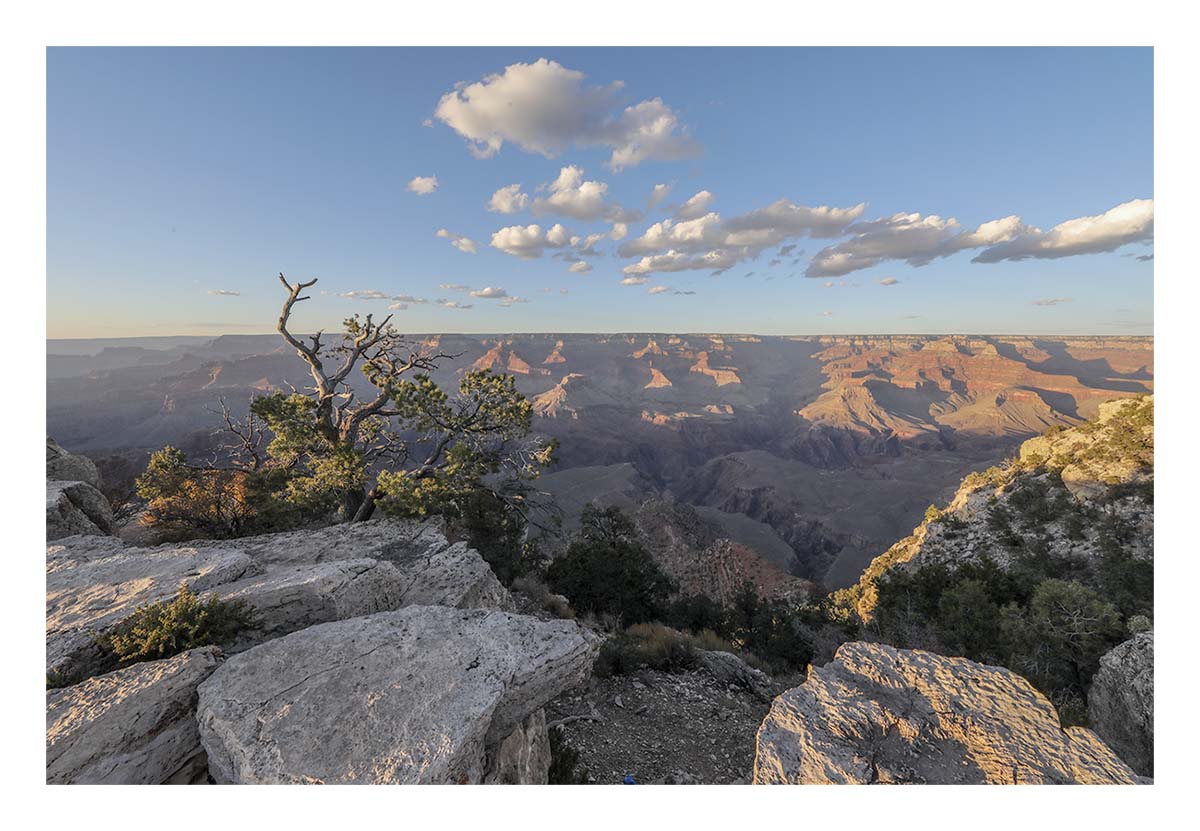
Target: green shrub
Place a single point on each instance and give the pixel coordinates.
(564, 762)
(607, 570)
(160, 630)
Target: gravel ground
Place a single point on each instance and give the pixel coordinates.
(683, 728)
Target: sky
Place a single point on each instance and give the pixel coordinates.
(768, 190)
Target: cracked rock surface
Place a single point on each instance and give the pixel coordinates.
(1121, 701)
(135, 726)
(876, 714)
(425, 694)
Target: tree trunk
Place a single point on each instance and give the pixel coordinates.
(367, 508)
(352, 501)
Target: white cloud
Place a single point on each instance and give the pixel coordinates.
(710, 242)
(225, 293)
(695, 207)
(375, 294)
(1052, 301)
(1128, 222)
(453, 304)
(423, 185)
(580, 267)
(634, 281)
(918, 240)
(398, 307)
(620, 230)
(454, 287)
(658, 289)
(490, 293)
(672, 261)
(657, 195)
(888, 281)
(511, 300)
(508, 200)
(572, 196)
(464, 244)
(826, 313)
(530, 241)
(543, 107)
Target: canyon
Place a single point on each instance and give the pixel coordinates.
(814, 452)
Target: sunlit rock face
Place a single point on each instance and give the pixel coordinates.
(426, 694)
(880, 715)
(1121, 701)
(135, 726)
(1098, 467)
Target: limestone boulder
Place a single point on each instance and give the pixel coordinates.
(729, 669)
(74, 507)
(876, 714)
(69, 467)
(93, 584)
(135, 726)
(1121, 701)
(425, 694)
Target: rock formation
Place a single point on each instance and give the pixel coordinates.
(291, 580)
(1121, 701)
(1067, 479)
(135, 726)
(425, 694)
(877, 714)
(74, 504)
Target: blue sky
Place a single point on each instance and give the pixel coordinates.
(177, 173)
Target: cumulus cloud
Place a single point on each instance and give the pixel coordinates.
(919, 240)
(683, 292)
(530, 241)
(620, 230)
(572, 196)
(508, 200)
(1128, 222)
(453, 304)
(454, 287)
(658, 289)
(888, 281)
(695, 207)
(1052, 301)
(580, 267)
(635, 281)
(509, 301)
(490, 293)
(713, 243)
(544, 107)
(225, 293)
(464, 244)
(657, 194)
(423, 185)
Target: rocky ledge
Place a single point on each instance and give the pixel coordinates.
(876, 714)
(291, 581)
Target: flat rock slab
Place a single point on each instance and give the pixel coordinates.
(136, 726)
(93, 584)
(292, 580)
(426, 694)
(876, 714)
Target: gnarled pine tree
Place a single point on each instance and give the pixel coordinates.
(408, 443)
